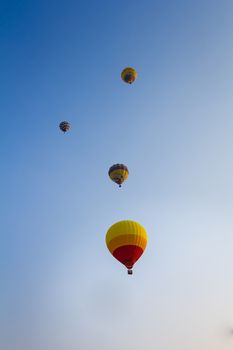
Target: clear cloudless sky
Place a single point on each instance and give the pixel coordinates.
(61, 60)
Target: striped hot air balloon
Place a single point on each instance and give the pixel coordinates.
(64, 126)
(118, 173)
(129, 75)
(126, 241)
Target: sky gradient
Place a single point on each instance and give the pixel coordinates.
(61, 60)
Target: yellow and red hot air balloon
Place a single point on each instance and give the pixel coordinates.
(129, 75)
(118, 173)
(64, 126)
(126, 241)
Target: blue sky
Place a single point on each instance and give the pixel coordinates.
(61, 60)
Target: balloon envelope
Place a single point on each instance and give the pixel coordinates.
(118, 173)
(129, 75)
(64, 126)
(126, 241)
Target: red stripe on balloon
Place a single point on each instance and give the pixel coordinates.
(128, 255)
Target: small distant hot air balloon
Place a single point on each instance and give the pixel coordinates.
(118, 173)
(64, 126)
(126, 241)
(128, 75)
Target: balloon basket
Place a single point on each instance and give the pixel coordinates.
(130, 271)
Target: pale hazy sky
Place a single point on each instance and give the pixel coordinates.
(61, 60)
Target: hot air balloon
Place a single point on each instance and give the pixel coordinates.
(118, 173)
(126, 241)
(128, 75)
(64, 126)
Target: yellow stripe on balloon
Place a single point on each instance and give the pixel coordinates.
(130, 239)
(129, 70)
(119, 173)
(126, 227)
